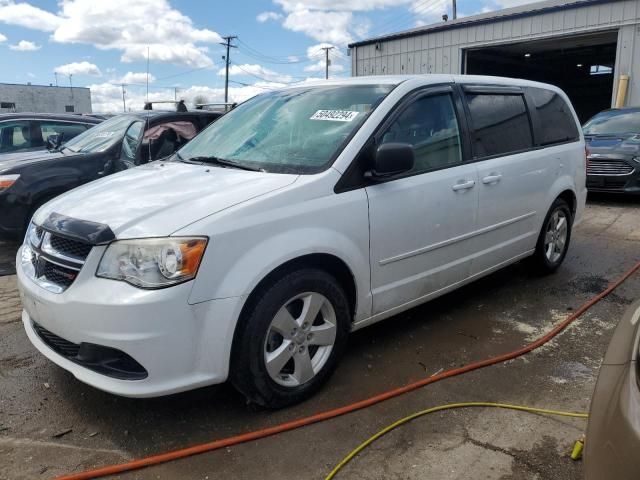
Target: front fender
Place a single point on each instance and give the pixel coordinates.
(247, 249)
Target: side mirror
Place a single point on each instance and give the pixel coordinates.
(391, 159)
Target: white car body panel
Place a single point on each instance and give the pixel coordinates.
(404, 242)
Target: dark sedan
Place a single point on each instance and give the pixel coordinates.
(613, 151)
(24, 132)
(29, 180)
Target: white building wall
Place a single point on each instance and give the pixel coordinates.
(45, 99)
(442, 50)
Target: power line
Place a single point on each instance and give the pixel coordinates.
(420, 8)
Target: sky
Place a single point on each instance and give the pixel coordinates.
(103, 44)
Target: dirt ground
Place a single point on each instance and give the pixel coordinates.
(52, 424)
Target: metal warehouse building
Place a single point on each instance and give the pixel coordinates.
(44, 99)
(589, 48)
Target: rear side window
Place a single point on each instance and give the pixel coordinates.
(500, 124)
(557, 124)
(68, 130)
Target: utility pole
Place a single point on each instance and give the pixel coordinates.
(71, 84)
(175, 93)
(454, 10)
(56, 74)
(327, 62)
(226, 58)
(124, 103)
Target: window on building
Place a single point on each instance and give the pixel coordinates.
(69, 109)
(429, 124)
(600, 70)
(557, 124)
(500, 124)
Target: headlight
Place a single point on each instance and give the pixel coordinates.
(636, 159)
(153, 262)
(7, 180)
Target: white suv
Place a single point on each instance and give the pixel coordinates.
(296, 218)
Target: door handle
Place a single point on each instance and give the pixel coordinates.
(463, 185)
(493, 178)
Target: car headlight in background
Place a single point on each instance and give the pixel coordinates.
(153, 262)
(7, 180)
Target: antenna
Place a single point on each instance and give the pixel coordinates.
(147, 73)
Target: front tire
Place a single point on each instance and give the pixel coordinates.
(290, 338)
(554, 238)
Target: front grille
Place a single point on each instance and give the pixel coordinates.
(597, 166)
(606, 184)
(69, 247)
(58, 274)
(105, 360)
(59, 345)
(53, 261)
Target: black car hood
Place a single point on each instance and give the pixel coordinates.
(625, 144)
(12, 160)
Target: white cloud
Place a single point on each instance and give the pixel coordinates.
(322, 26)
(120, 25)
(266, 16)
(316, 53)
(2, 38)
(79, 68)
(256, 71)
(341, 5)
(25, 46)
(26, 15)
(136, 77)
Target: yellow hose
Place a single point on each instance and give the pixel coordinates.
(439, 408)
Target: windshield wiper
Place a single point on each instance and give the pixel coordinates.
(219, 161)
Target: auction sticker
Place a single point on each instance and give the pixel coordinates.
(334, 115)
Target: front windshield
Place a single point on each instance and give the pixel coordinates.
(613, 122)
(294, 131)
(101, 137)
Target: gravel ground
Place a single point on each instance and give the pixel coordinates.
(52, 424)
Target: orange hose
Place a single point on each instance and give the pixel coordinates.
(326, 415)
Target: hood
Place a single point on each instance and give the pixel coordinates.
(160, 198)
(625, 144)
(11, 160)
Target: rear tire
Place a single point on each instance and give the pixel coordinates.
(290, 338)
(554, 238)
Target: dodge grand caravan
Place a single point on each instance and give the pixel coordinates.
(296, 218)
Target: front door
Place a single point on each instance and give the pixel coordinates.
(421, 224)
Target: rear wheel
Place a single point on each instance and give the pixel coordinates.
(553, 241)
(290, 339)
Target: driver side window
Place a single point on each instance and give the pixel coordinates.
(430, 125)
(131, 142)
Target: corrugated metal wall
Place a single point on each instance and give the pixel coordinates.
(442, 51)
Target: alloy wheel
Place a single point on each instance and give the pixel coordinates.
(300, 338)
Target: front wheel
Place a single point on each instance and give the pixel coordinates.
(290, 338)
(553, 241)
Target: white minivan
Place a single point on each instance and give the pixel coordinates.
(301, 215)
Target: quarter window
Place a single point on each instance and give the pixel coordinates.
(500, 124)
(557, 124)
(429, 124)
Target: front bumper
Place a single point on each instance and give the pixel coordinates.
(180, 346)
(615, 183)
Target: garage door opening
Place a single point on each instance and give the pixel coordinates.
(581, 65)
